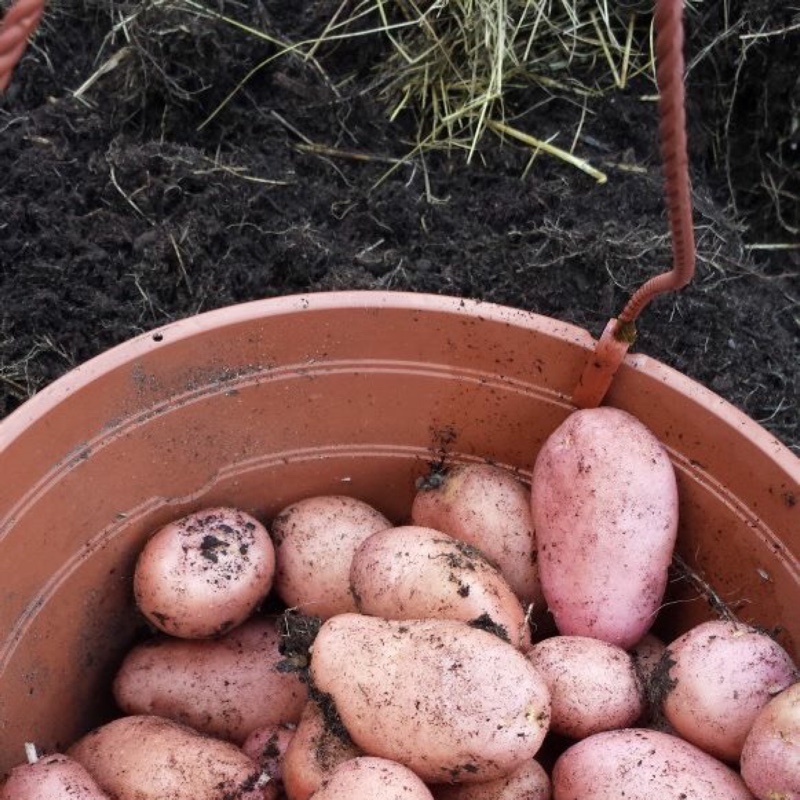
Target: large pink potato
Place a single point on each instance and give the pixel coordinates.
(721, 674)
(413, 572)
(593, 685)
(369, 778)
(529, 782)
(638, 764)
(226, 687)
(150, 758)
(488, 507)
(315, 540)
(450, 702)
(770, 762)
(54, 777)
(605, 508)
(204, 574)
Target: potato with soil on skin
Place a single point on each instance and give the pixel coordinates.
(529, 782)
(450, 702)
(225, 687)
(204, 574)
(267, 746)
(593, 685)
(488, 507)
(770, 762)
(52, 777)
(412, 572)
(316, 749)
(640, 764)
(368, 778)
(150, 758)
(605, 507)
(718, 676)
(315, 540)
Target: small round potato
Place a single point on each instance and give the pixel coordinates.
(721, 674)
(368, 778)
(54, 777)
(225, 687)
(488, 507)
(150, 758)
(770, 763)
(412, 572)
(315, 540)
(204, 574)
(639, 764)
(593, 685)
(450, 702)
(529, 782)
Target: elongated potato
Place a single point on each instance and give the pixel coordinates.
(770, 762)
(203, 575)
(226, 688)
(721, 674)
(593, 685)
(315, 540)
(369, 778)
(316, 749)
(450, 702)
(639, 764)
(605, 508)
(150, 758)
(529, 782)
(412, 572)
(488, 507)
(54, 777)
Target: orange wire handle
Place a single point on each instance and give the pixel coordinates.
(16, 27)
(620, 332)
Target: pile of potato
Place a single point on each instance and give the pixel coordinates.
(496, 648)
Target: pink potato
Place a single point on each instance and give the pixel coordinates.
(226, 687)
(202, 575)
(639, 764)
(267, 746)
(593, 685)
(721, 674)
(53, 777)
(368, 778)
(488, 507)
(315, 540)
(605, 508)
(412, 572)
(150, 758)
(529, 782)
(316, 749)
(450, 702)
(770, 762)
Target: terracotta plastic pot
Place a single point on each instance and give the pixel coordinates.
(261, 404)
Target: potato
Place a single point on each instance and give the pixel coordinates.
(770, 762)
(204, 574)
(720, 675)
(488, 507)
(226, 688)
(450, 702)
(593, 685)
(412, 572)
(53, 777)
(150, 758)
(605, 509)
(372, 779)
(529, 782)
(315, 540)
(638, 764)
(267, 747)
(316, 749)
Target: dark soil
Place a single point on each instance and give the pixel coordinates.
(119, 212)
